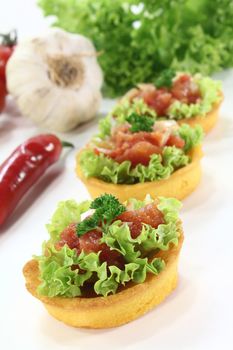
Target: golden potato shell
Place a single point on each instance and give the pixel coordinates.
(207, 122)
(114, 310)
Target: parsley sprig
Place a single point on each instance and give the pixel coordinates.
(107, 207)
(165, 78)
(140, 122)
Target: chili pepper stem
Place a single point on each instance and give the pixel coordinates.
(67, 144)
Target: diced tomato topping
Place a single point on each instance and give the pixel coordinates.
(185, 90)
(96, 151)
(112, 257)
(69, 237)
(138, 147)
(174, 140)
(127, 139)
(138, 153)
(159, 100)
(89, 242)
(149, 215)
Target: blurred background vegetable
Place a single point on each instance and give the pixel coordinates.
(139, 39)
(7, 45)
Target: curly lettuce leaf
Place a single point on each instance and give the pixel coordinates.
(66, 213)
(123, 110)
(210, 95)
(191, 136)
(165, 79)
(106, 169)
(119, 238)
(59, 278)
(56, 274)
(64, 273)
(134, 204)
(105, 127)
(170, 207)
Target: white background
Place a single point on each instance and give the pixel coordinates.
(198, 315)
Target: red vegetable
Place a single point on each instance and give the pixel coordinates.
(159, 100)
(176, 141)
(149, 215)
(7, 46)
(89, 242)
(3, 93)
(24, 167)
(138, 147)
(183, 90)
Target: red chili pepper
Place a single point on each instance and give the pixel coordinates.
(24, 167)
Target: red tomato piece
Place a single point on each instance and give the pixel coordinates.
(155, 138)
(89, 242)
(69, 237)
(159, 100)
(139, 153)
(112, 257)
(185, 90)
(149, 215)
(176, 141)
(138, 147)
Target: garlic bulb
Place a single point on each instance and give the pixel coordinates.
(56, 79)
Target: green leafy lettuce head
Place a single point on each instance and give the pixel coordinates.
(141, 39)
(65, 271)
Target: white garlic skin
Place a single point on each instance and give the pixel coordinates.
(56, 107)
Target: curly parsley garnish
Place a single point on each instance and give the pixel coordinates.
(107, 208)
(140, 123)
(165, 78)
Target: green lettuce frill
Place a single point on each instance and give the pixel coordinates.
(63, 272)
(210, 91)
(159, 167)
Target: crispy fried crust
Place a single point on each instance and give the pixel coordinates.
(113, 310)
(179, 185)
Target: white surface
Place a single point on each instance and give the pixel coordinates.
(23, 15)
(198, 315)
